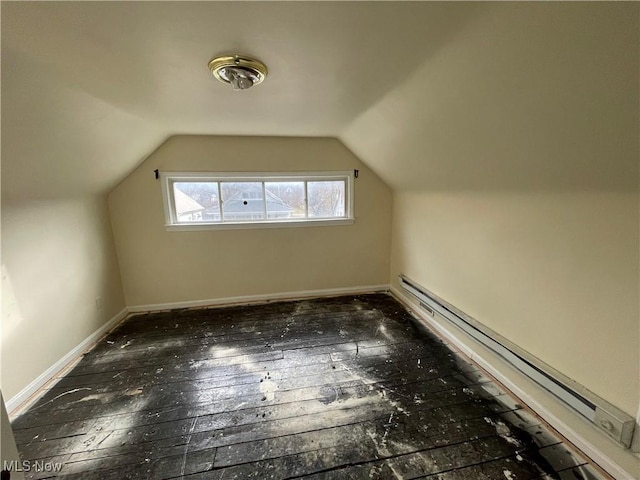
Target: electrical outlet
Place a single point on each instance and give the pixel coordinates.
(99, 303)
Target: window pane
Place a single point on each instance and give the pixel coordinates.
(285, 200)
(326, 199)
(242, 201)
(196, 201)
(204, 199)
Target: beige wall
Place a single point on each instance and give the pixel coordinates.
(554, 273)
(513, 156)
(57, 257)
(160, 266)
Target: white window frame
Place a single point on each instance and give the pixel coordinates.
(167, 179)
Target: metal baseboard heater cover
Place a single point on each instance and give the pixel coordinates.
(609, 419)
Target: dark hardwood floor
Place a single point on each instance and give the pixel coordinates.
(333, 388)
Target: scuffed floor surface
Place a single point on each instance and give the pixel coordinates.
(333, 388)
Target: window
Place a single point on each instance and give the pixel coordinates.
(251, 200)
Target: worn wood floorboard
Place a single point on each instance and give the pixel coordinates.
(344, 387)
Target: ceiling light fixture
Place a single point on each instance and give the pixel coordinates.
(238, 71)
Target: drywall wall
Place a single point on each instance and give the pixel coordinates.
(556, 273)
(513, 156)
(160, 266)
(57, 257)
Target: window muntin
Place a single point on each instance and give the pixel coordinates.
(228, 200)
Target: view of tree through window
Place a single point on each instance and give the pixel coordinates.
(326, 199)
(207, 202)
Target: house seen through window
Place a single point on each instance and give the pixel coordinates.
(226, 200)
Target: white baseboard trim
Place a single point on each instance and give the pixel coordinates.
(26, 396)
(534, 396)
(249, 299)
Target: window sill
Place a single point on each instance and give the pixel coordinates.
(248, 225)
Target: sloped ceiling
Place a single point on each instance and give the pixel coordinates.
(528, 97)
(89, 89)
(430, 95)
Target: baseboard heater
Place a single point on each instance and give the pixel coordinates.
(609, 419)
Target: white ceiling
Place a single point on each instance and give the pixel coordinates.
(89, 89)
(431, 95)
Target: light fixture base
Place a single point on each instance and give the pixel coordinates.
(239, 71)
